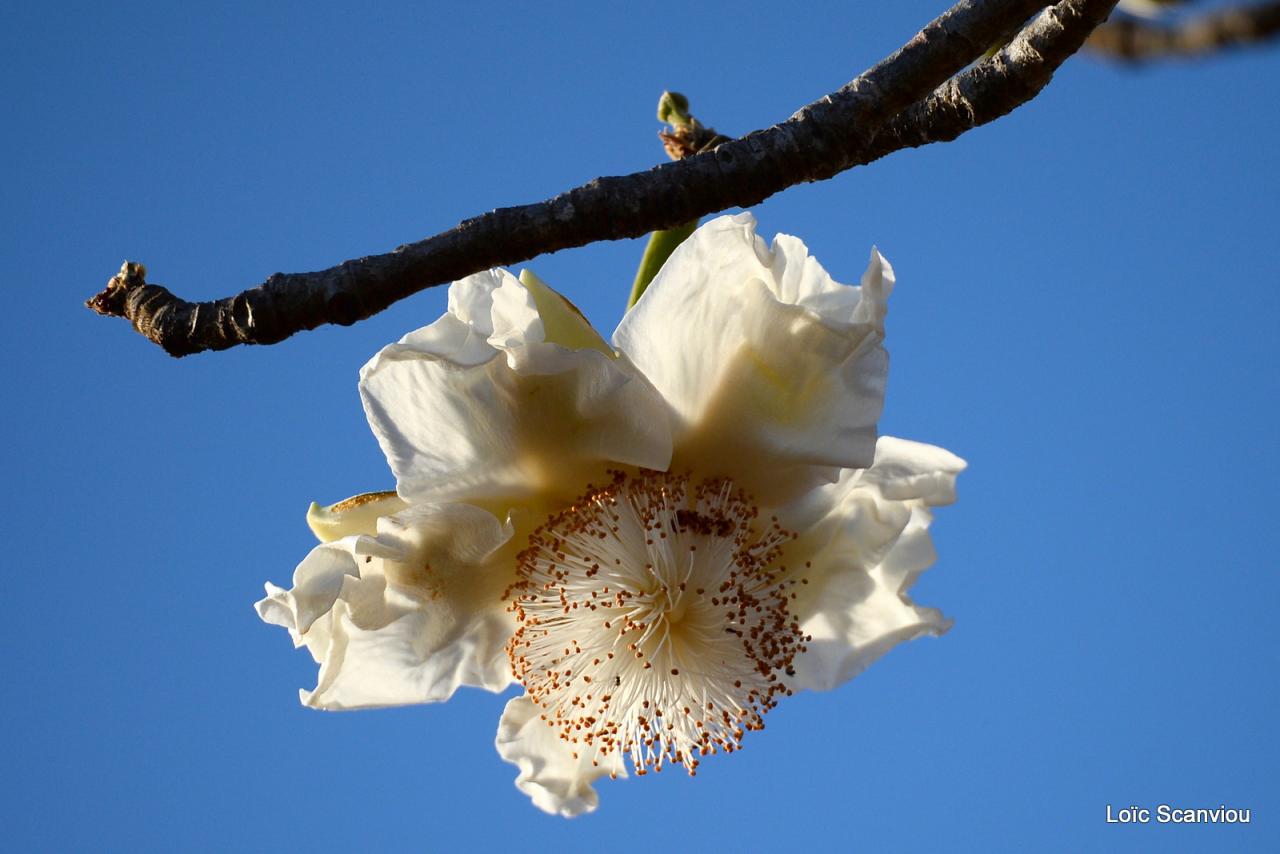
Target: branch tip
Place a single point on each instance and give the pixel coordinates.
(111, 300)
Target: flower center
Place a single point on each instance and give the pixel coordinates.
(653, 620)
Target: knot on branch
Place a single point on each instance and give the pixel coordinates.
(111, 301)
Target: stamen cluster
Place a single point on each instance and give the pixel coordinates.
(654, 621)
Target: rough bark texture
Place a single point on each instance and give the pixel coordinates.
(835, 133)
(1137, 40)
(993, 88)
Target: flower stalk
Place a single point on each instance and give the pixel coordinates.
(686, 138)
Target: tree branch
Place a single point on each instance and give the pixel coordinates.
(994, 87)
(824, 138)
(1138, 40)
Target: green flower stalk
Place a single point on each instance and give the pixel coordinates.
(686, 138)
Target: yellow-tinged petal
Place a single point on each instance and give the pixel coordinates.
(355, 515)
(561, 319)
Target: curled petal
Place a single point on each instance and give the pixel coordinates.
(405, 617)
(769, 364)
(317, 583)
(479, 406)
(861, 514)
(865, 539)
(905, 470)
(355, 515)
(550, 774)
(865, 613)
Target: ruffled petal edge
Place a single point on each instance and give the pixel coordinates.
(558, 782)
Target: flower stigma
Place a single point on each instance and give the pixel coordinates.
(654, 620)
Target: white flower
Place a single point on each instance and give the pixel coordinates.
(659, 541)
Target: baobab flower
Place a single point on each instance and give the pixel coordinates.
(660, 539)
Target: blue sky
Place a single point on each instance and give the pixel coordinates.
(1086, 311)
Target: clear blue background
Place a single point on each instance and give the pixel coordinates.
(1088, 304)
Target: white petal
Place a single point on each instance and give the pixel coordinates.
(866, 538)
(494, 305)
(557, 782)
(478, 406)
(904, 470)
(413, 651)
(864, 510)
(865, 613)
(768, 363)
(317, 582)
(405, 617)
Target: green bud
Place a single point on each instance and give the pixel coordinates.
(673, 108)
